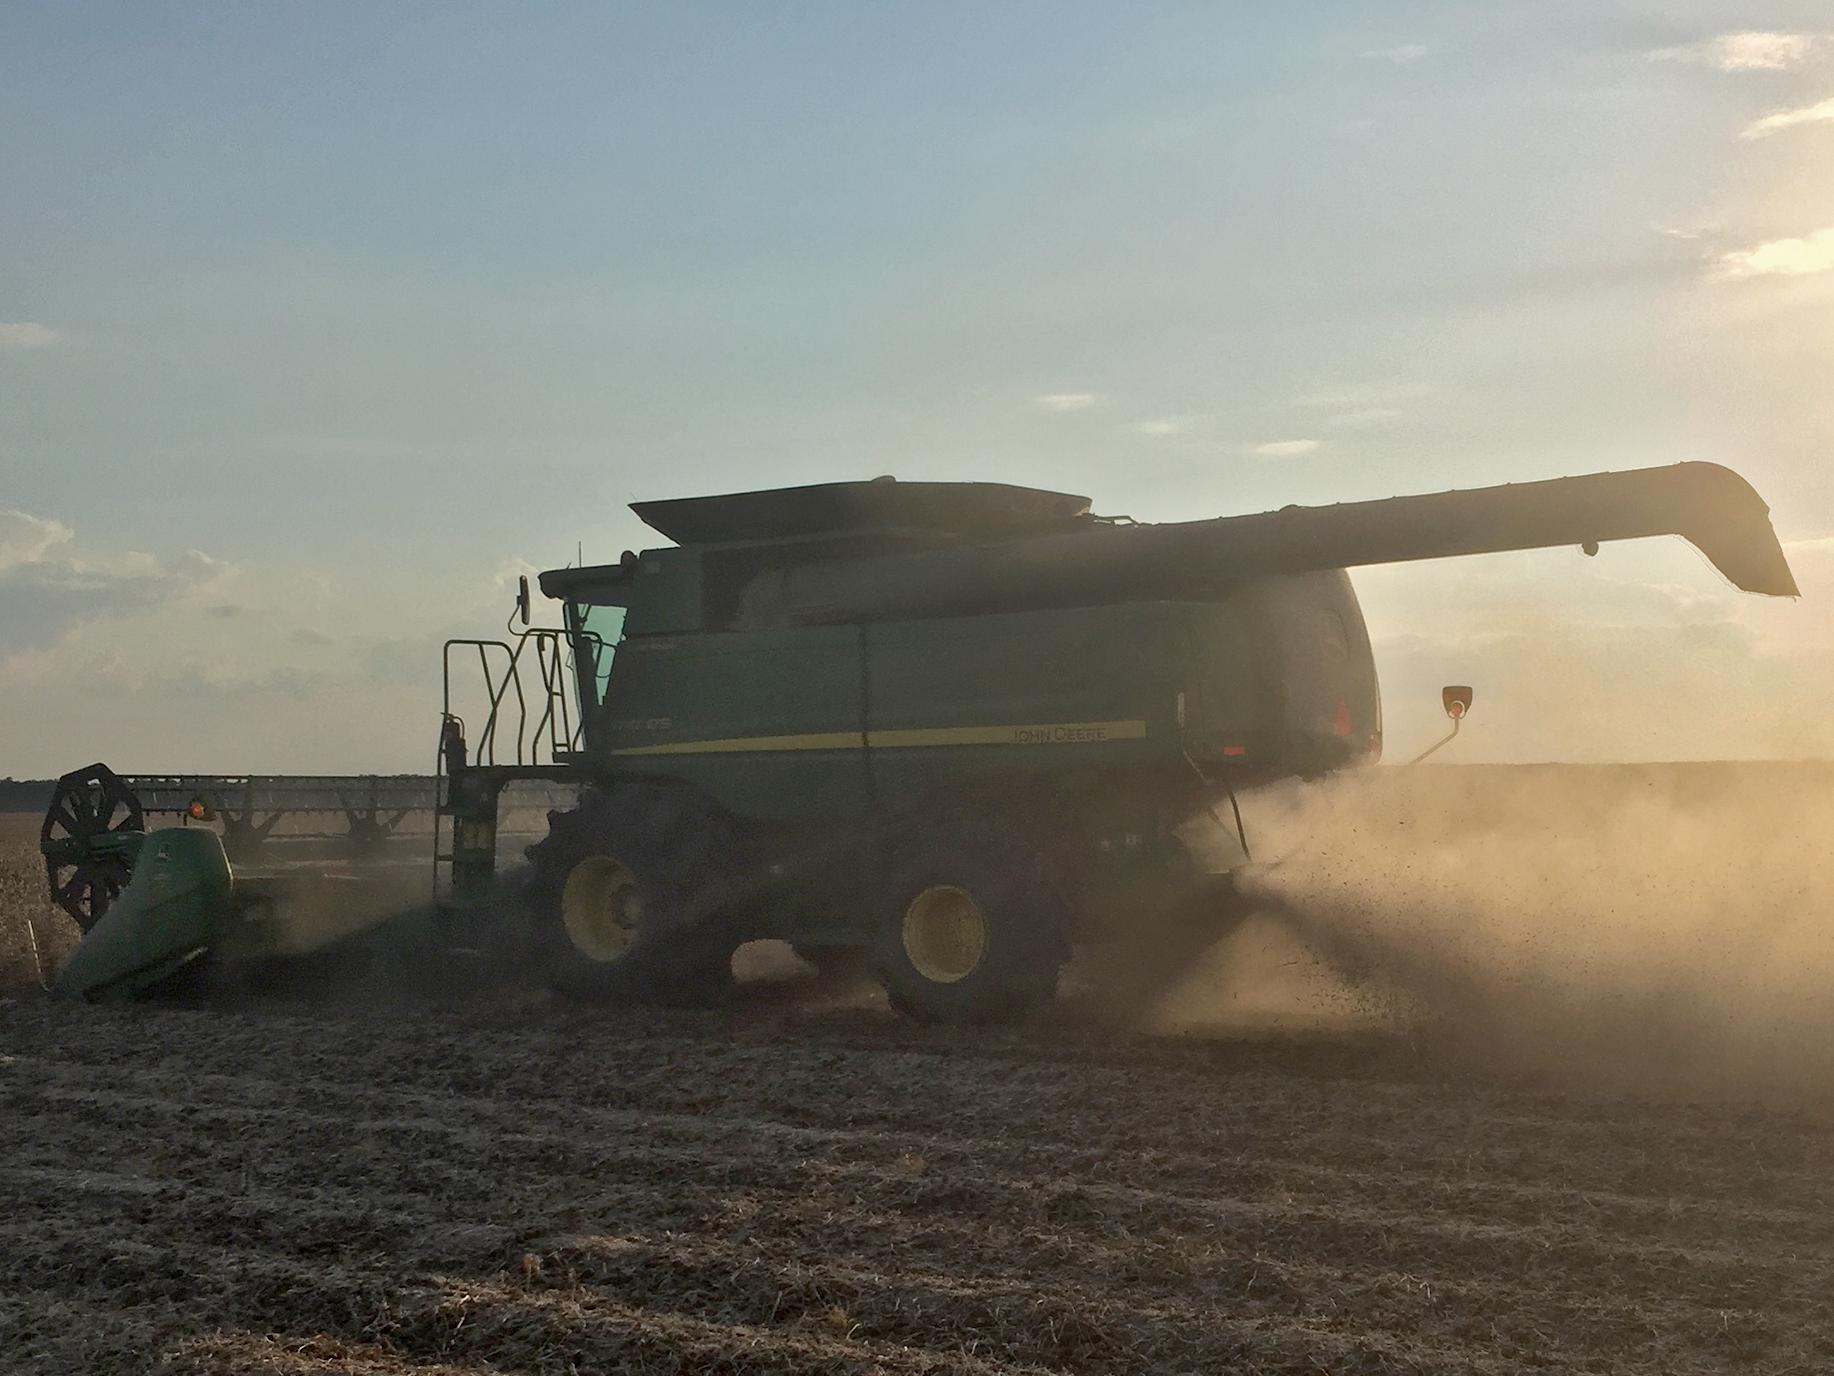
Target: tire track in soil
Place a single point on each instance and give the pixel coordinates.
(355, 1224)
(1387, 1302)
(259, 1190)
(1685, 1220)
(972, 1187)
(1661, 1158)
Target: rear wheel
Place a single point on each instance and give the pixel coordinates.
(971, 926)
(630, 893)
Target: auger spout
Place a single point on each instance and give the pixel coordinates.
(1710, 506)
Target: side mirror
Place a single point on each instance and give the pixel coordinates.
(1457, 700)
(522, 600)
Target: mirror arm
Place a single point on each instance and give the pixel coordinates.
(1442, 741)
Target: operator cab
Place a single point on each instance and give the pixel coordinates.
(595, 602)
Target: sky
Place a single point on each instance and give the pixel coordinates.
(319, 323)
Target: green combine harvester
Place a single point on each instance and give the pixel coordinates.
(961, 726)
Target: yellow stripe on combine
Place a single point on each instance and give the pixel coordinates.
(1044, 733)
(823, 740)
(1049, 733)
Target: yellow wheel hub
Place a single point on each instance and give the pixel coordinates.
(945, 933)
(601, 907)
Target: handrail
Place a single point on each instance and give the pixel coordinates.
(557, 728)
(499, 665)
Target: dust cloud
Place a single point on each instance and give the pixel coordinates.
(1658, 928)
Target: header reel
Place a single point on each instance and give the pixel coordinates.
(90, 835)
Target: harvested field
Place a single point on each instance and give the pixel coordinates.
(802, 1182)
(540, 1188)
(34, 935)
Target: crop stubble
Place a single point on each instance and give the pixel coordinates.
(508, 1183)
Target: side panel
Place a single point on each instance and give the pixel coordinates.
(815, 730)
(1074, 716)
(1054, 691)
(768, 723)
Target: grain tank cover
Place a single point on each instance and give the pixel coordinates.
(977, 511)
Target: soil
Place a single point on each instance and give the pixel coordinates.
(489, 1180)
(34, 935)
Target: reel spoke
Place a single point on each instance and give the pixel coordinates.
(83, 875)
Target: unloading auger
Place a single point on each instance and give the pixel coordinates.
(964, 726)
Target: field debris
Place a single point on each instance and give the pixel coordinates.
(1655, 929)
(492, 1187)
(34, 935)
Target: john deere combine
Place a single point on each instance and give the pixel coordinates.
(963, 726)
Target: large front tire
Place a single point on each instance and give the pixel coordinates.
(630, 897)
(971, 926)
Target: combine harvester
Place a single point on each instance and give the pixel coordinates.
(963, 726)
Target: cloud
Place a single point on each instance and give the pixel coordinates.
(1286, 449)
(1162, 426)
(1065, 401)
(1779, 258)
(44, 595)
(1747, 52)
(26, 334)
(1400, 55)
(25, 538)
(1789, 119)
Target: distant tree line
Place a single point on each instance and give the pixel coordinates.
(25, 795)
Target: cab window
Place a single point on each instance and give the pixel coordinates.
(597, 631)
